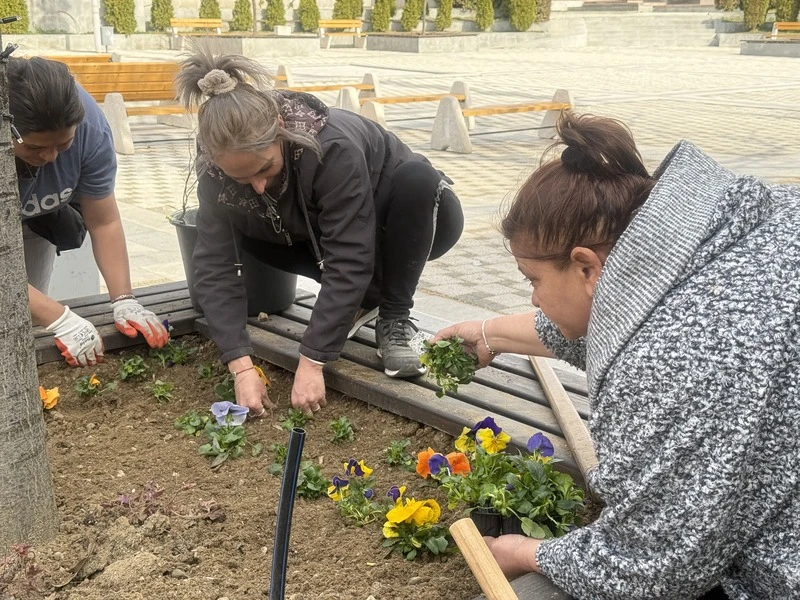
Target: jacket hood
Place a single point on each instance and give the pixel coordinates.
(695, 212)
(302, 112)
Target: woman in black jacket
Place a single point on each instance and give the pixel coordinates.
(320, 192)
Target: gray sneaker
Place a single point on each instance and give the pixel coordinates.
(399, 360)
(363, 316)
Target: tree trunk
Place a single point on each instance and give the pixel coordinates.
(27, 506)
(255, 15)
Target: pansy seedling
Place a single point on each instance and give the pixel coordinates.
(438, 464)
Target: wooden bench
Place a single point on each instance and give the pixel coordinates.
(367, 88)
(450, 130)
(353, 24)
(115, 85)
(212, 26)
(372, 108)
(79, 59)
(792, 29)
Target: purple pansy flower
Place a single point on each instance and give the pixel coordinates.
(394, 493)
(228, 413)
(354, 469)
(540, 442)
(339, 482)
(487, 423)
(437, 463)
(368, 494)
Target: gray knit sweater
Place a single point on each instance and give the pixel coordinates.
(694, 383)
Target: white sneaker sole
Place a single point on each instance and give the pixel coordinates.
(361, 321)
(407, 371)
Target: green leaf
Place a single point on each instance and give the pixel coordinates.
(255, 450)
(219, 459)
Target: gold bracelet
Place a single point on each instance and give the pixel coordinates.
(485, 341)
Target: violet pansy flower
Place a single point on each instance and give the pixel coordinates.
(228, 413)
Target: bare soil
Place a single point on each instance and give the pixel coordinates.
(209, 533)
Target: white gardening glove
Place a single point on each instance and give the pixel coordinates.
(131, 318)
(77, 338)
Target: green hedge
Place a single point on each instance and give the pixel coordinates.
(14, 8)
(521, 14)
(275, 14)
(161, 11)
(484, 14)
(242, 17)
(728, 4)
(209, 9)
(755, 13)
(308, 12)
(412, 13)
(382, 15)
(795, 11)
(786, 10)
(444, 16)
(119, 14)
(348, 9)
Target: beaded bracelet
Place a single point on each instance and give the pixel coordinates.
(485, 341)
(124, 297)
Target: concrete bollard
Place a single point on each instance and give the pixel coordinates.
(184, 121)
(370, 79)
(449, 128)
(461, 88)
(288, 81)
(548, 127)
(117, 117)
(348, 100)
(374, 112)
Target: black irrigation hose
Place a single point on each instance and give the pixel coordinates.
(283, 526)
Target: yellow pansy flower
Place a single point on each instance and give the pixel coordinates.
(492, 443)
(356, 469)
(418, 512)
(464, 443)
(390, 530)
(93, 380)
(49, 397)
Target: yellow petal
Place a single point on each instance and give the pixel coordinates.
(93, 380)
(390, 530)
(365, 468)
(464, 443)
(50, 398)
(402, 512)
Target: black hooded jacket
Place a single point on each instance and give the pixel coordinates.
(335, 204)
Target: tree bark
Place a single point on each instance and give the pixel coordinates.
(255, 15)
(27, 505)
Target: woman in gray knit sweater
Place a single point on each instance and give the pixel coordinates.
(679, 294)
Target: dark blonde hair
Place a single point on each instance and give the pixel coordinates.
(238, 109)
(586, 197)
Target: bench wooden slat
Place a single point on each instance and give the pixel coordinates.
(80, 58)
(132, 87)
(408, 99)
(514, 108)
(329, 87)
(140, 78)
(340, 23)
(143, 68)
(164, 109)
(195, 22)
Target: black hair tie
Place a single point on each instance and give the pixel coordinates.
(576, 159)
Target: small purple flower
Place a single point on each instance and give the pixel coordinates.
(394, 493)
(509, 487)
(487, 423)
(354, 469)
(339, 482)
(368, 494)
(165, 322)
(540, 442)
(437, 463)
(228, 413)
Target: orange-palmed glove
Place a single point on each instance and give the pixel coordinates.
(131, 318)
(77, 338)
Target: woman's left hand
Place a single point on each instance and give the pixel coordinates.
(516, 554)
(308, 391)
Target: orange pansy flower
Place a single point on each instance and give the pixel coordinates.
(459, 464)
(422, 462)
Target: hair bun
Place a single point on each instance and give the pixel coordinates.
(216, 82)
(575, 158)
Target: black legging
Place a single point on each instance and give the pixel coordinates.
(422, 223)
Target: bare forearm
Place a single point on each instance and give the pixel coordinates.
(44, 310)
(111, 255)
(515, 334)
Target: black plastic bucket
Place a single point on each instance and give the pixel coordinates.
(269, 290)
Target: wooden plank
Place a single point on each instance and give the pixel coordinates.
(398, 396)
(329, 87)
(130, 87)
(534, 586)
(514, 108)
(117, 68)
(408, 99)
(480, 561)
(338, 23)
(71, 59)
(164, 109)
(350, 33)
(101, 78)
(182, 322)
(216, 23)
(140, 293)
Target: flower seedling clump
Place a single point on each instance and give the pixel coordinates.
(133, 368)
(90, 385)
(206, 371)
(279, 452)
(49, 397)
(224, 390)
(412, 526)
(449, 364)
(342, 430)
(397, 455)
(226, 436)
(192, 423)
(173, 354)
(354, 494)
(311, 483)
(295, 419)
(162, 391)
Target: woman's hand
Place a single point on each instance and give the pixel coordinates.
(250, 389)
(470, 332)
(516, 554)
(308, 391)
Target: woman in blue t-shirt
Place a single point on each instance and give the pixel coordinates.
(66, 168)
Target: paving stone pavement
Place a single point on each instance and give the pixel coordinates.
(739, 109)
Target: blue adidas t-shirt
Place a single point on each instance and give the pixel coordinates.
(86, 170)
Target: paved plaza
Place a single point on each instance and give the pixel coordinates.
(742, 110)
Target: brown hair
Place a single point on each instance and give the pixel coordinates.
(587, 197)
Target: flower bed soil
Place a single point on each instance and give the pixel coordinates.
(210, 533)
